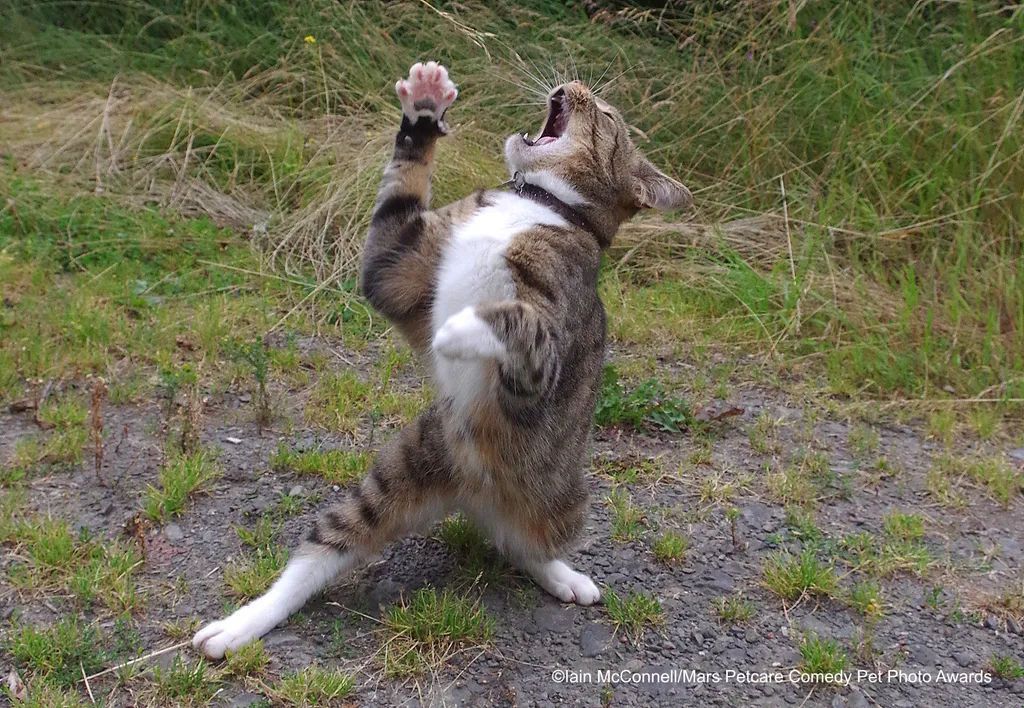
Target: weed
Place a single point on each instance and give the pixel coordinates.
(428, 627)
(628, 469)
(646, 406)
(634, 611)
(627, 518)
(1006, 667)
(254, 577)
(249, 660)
(791, 576)
(821, 656)
(864, 441)
(313, 686)
(477, 562)
(181, 682)
(764, 435)
(733, 609)
(254, 354)
(866, 597)
(57, 653)
(181, 477)
(335, 466)
(670, 548)
(899, 526)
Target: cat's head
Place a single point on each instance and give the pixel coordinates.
(584, 154)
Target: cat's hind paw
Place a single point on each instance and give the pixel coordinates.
(427, 92)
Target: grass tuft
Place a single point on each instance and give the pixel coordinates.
(792, 576)
(633, 612)
(180, 478)
(335, 466)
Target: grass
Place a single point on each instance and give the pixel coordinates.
(792, 576)
(633, 612)
(1006, 667)
(251, 578)
(191, 684)
(670, 548)
(628, 469)
(865, 596)
(425, 629)
(899, 526)
(733, 609)
(249, 660)
(995, 475)
(55, 654)
(643, 406)
(822, 656)
(313, 686)
(627, 518)
(180, 478)
(478, 564)
(336, 466)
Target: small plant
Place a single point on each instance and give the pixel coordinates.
(863, 440)
(247, 580)
(646, 406)
(821, 656)
(428, 627)
(249, 660)
(627, 519)
(262, 535)
(1006, 667)
(180, 681)
(313, 686)
(336, 466)
(733, 609)
(866, 597)
(477, 563)
(790, 576)
(765, 433)
(628, 469)
(56, 654)
(670, 547)
(733, 515)
(633, 612)
(180, 478)
(255, 355)
(903, 527)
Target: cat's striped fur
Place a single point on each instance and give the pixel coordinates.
(499, 292)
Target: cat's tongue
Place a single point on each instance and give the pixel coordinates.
(545, 140)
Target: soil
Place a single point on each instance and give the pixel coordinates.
(979, 549)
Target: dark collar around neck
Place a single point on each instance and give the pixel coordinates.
(543, 196)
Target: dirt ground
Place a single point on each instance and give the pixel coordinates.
(934, 629)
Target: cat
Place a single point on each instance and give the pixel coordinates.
(499, 292)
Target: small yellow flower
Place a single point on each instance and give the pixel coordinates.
(309, 39)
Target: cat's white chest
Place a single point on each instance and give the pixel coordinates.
(473, 273)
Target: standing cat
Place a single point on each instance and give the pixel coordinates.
(499, 292)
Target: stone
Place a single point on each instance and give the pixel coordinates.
(595, 639)
(173, 532)
(555, 618)
(297, 491)
(244, 700)
(965, 658)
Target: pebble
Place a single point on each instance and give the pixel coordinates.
(595, 639)
(173, 532)
(297, 491)
(965, 658)
(991, 622)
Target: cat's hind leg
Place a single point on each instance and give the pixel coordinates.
(409, 486)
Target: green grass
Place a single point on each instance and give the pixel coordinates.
(57, 653)
(1006, 667)
(822, 656)
(313, 686)
(792, 576)
(180, 478)
(733, 609)
(627, 519)
(633, 612)
(900, 526)
(180, 682)
(1001, 480)
(865, 596)
(249, 660)
(335, 466)
(643, 406)
(250, 578)
(670, 548)
(628, 469)
(426, 628)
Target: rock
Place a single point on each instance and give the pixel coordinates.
(234, 441)
(297, 491)
(838, 702)
(992, 623)
(717, 580)
(965, 658)
(922, 655)
(385, 592)
(555, 618)
(856, 699)
(108, 509)
(279, 639)
(595, 639)
(244, 700)
(697, 638)
(1013, 625)
(1017, 454)
(173, 532)
(736, 656)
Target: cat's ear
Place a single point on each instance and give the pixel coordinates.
(656, 190)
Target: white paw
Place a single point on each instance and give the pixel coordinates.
(217, 638)
(465, 336)
(566, 584)
(427, 92)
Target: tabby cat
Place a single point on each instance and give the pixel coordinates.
(499, 292)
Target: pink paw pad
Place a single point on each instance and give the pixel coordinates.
(427, 92)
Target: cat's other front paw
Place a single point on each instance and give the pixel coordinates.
(465, 336)
(427, 92)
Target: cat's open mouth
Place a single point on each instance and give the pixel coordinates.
(558, 119)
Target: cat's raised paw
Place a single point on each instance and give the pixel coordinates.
(465, 336)
(427, 92)
(217, 638)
